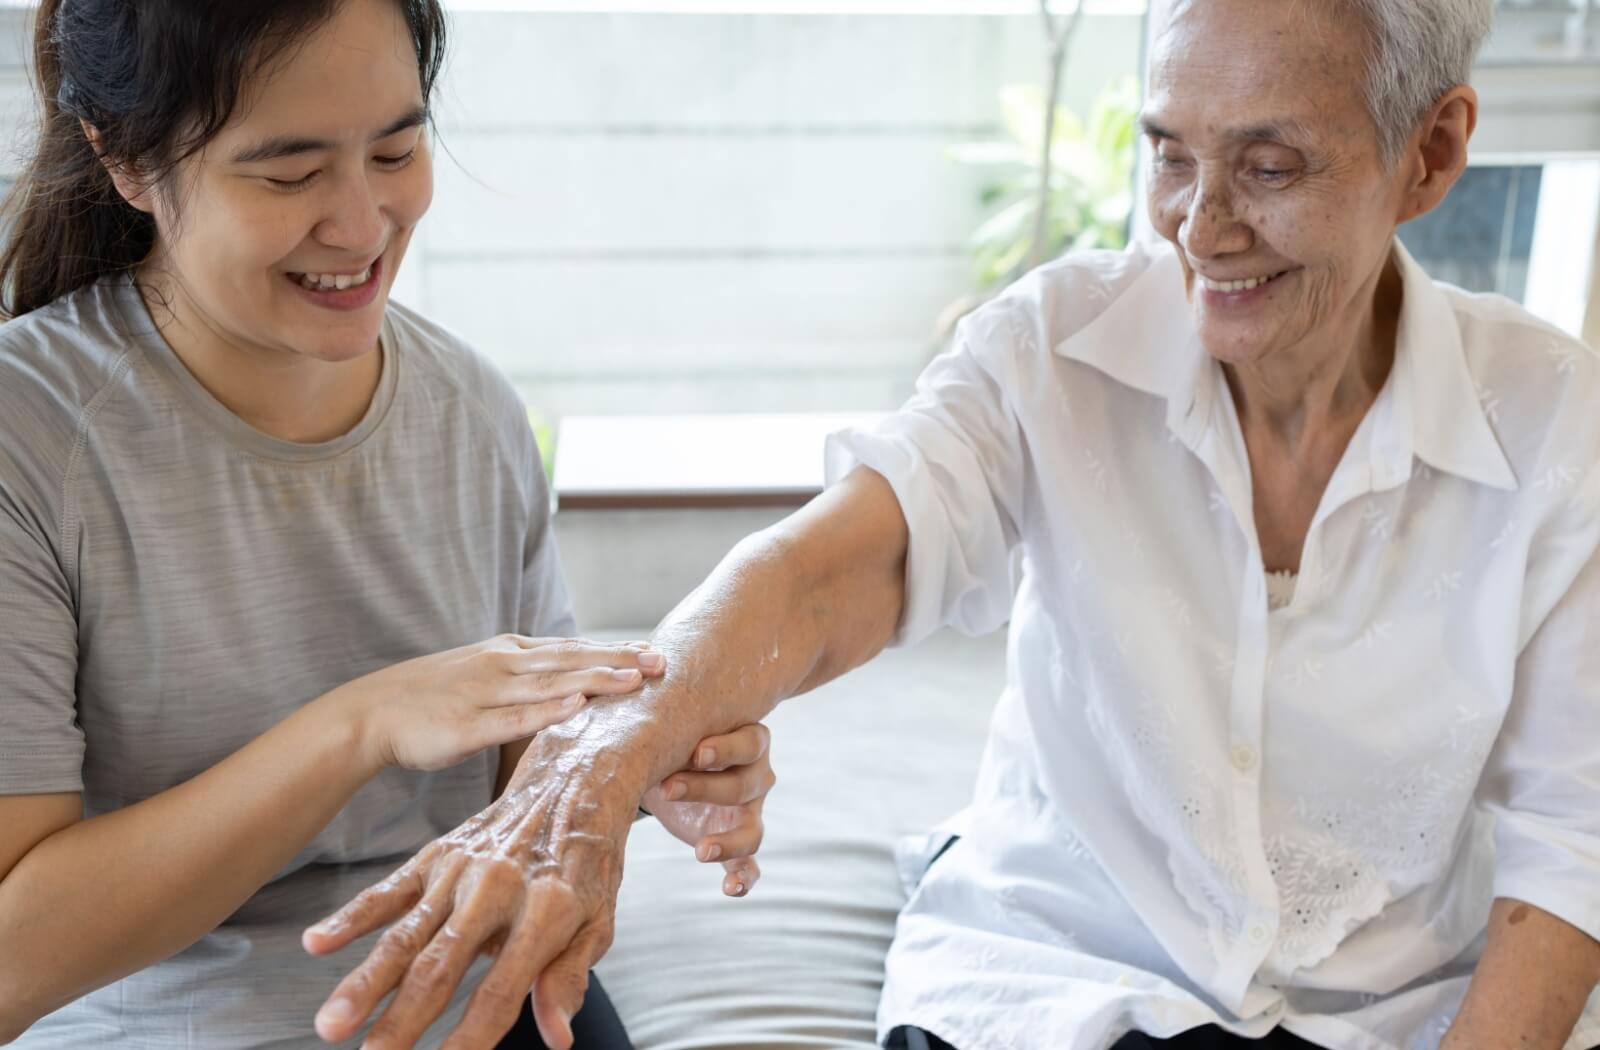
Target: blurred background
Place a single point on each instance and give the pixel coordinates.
(703, 207)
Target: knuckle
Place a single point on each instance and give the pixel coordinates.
(499, 997)
(401, 939)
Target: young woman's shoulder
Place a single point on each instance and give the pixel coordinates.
(59, 365)
(448, 365)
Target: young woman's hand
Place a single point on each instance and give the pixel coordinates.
(715, 805)
(436, 711)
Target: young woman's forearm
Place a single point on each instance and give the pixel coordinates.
(787, 610)
(1530, 986)
(105, 897)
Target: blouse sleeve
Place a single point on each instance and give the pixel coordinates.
(953, 455)
(1543, 779)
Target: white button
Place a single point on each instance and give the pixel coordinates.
(1244, 758)
(1259, 933)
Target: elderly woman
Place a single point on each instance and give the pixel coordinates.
(1301, 556)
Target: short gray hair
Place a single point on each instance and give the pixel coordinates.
(1417, 50)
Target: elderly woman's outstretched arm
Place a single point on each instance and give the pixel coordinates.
(1531, 984)
(534, 878)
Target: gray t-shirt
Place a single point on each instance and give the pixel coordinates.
(173, 583)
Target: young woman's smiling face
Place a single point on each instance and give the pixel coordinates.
(316, 183)
(1267, 169)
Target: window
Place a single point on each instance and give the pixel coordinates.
(724, 205)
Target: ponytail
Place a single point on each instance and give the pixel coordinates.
(68, 224)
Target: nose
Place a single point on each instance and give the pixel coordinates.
(355, 220)
(1211, 225)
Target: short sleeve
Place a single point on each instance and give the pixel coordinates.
(41, 744)
(953, 455)
(1543, 779)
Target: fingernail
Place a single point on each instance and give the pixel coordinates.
(625, 675)
(738, 889)
(676, 790)
(705, 758)
(340, 1011)
(712, 852)
(651, 661)
(575, 700)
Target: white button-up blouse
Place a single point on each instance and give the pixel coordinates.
(1195, 810)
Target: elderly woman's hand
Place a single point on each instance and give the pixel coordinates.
(715, 805)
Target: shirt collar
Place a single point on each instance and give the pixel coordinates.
(1450, 430)
(1145, 339)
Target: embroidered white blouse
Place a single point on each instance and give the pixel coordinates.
(1195, 810)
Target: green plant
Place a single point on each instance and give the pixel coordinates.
(545, 434)
(1089, 197)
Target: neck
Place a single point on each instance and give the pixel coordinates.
(286, 395)
(1334, 375)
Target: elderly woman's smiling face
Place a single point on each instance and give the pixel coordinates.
(1267, 173)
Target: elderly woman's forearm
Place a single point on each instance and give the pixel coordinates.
(1530, 987)
(787, 610)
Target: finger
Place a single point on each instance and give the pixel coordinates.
(431, 981)
(577, 655)
(559, 992)
(744, 840)
(497, 1002)
(373, 907)
(742, 747)
(740, 876)
(501, 725)
(364, 988)
(732, 787)
(544, 686)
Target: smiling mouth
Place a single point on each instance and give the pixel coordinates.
(1244, 285)
(330, 282)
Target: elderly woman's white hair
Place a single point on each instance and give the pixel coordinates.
(1418, 50)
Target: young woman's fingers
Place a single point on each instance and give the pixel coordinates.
(375, 906)
(353, 1001)
(543, 686)
(494, 726)
(576, 655)
(740, 876)
(743, 747)
(742, 841)
(731, 787)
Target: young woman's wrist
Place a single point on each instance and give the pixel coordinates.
(345, 718)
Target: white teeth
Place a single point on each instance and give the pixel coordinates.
(327, 282)
(1236, 286)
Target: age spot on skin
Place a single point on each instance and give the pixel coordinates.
(1518, 913)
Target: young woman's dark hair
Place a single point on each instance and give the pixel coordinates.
(157, 80)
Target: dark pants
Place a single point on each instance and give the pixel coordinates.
(597, 1026)
(1208, 1038)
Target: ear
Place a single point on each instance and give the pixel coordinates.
(1437, 153)
(134, 190)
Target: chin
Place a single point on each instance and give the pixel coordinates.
(1234, 348)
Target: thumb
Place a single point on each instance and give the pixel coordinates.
(502, 725)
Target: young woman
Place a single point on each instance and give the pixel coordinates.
(278, 593)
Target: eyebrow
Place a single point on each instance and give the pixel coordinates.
(290, 146)
(1282, 130)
